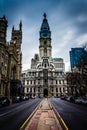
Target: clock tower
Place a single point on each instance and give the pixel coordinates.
(45, 39)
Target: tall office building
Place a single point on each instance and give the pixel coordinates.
(76, 54)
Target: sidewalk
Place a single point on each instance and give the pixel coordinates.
(44, 118)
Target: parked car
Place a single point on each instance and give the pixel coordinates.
(71, 98)
(64, 97)
(24, 98)
(79, 100)
(84, 101)
(16, 99)
(4, 101)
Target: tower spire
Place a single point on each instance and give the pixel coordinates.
(45, 29)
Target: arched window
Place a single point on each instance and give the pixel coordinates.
(45, 51)
(45, 43)
(45, 65)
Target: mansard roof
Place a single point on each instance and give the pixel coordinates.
(57, 59)
(45, 25)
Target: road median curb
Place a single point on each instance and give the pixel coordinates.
(29, 118)
(64, 126)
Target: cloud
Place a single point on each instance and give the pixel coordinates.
(67, 20)
(81, 40)
(67, 66)
(25, 66)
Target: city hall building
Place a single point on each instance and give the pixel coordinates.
(46, 77)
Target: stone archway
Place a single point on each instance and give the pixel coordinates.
(45, 92)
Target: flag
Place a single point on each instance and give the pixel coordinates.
(30, 90)
(19, 85)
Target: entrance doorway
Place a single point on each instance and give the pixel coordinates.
(45, 92)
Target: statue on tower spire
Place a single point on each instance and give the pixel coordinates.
(44, 15)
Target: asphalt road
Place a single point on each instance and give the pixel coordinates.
(74, 115)
(13, 116)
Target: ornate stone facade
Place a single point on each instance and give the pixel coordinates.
(46, 77)
(10, 60)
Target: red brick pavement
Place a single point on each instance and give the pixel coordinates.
(55, 127)
(44, 119)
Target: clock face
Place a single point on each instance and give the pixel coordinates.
(45, 35)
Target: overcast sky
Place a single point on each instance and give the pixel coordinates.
(67, 20)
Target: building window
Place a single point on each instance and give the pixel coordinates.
(63, 81)
(27, 89)
(45, 43)
(27, 82)
(38, 81)
(32, 73)
(23, 82)
(56, 89)
(29, 73)
(34, 81)
(31, 82)
(38, 89)
(45, 51)
(60, 90)
(45, 80)
(34, 90)
(45, 65)
(23, 75)
(56, 81)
